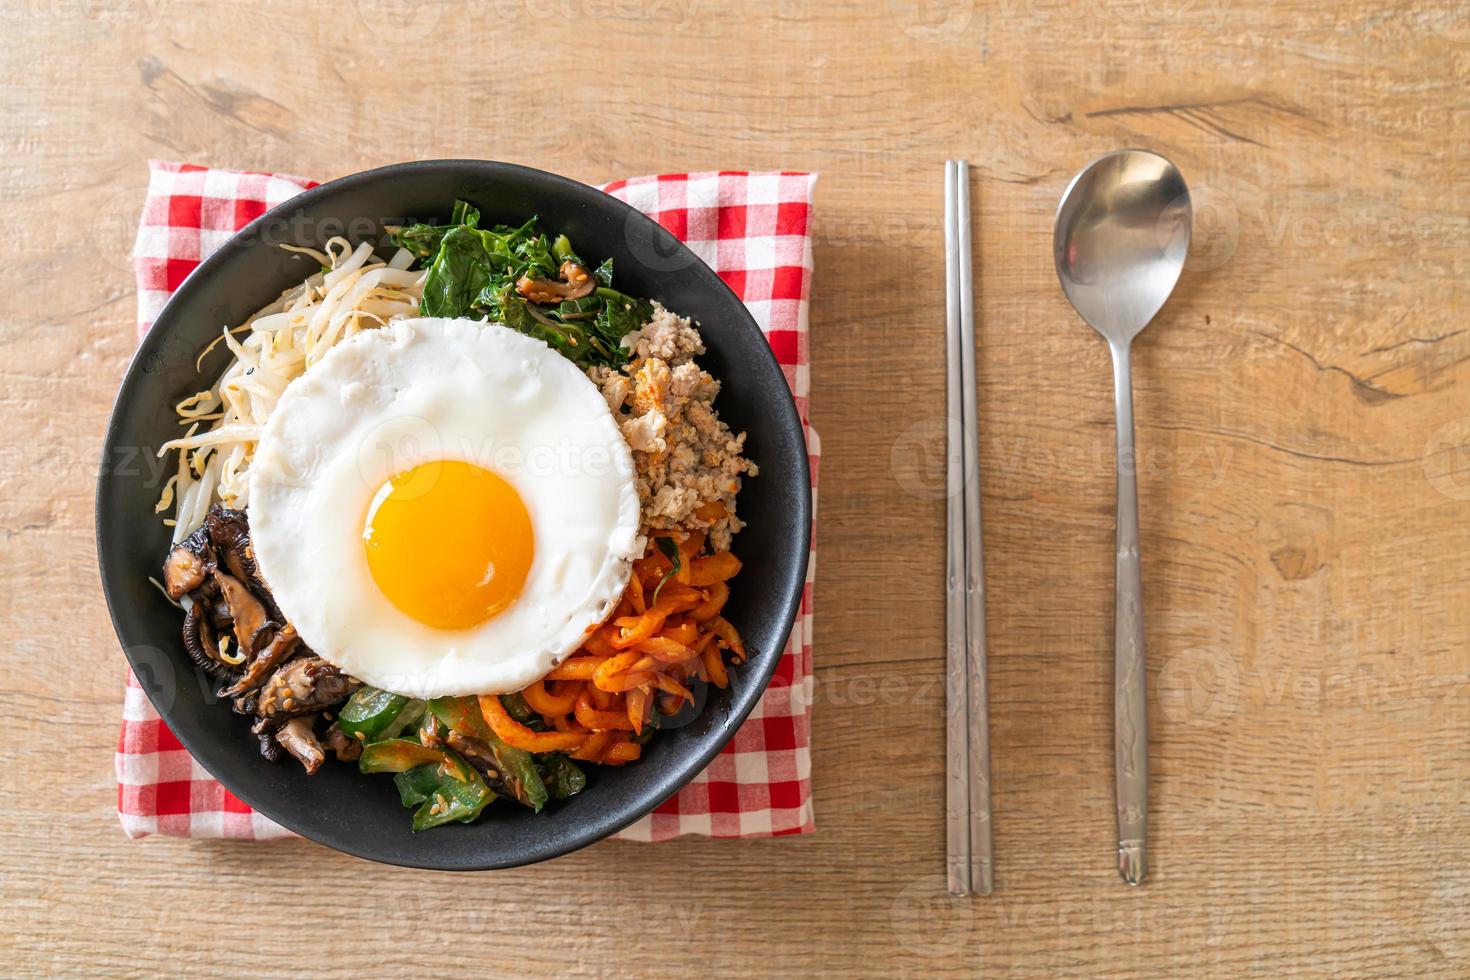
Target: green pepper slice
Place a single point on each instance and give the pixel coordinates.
(417, 784)
(562, 776)
(456, 768)
(397, 755)
(517, 708)
(461, 714)
(453, 800)
(406, 719)
(516, 767)
(368, 713)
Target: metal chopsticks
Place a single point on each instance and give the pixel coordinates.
(969, 862)
(957, 707)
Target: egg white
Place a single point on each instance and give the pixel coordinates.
(422, 390)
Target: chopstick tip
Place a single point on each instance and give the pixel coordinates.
(1132, 861)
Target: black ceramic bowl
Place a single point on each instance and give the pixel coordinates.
(339, 807)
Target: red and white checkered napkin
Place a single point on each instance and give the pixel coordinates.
(754, 229)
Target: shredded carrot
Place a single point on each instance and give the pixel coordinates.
(714, 667)
(710, 607)
(636, 629)
(600, 644)
(620, 752)
(564, 723)
(627, 682)
(518, 736)
(574, 669)
(684, 631)
(715, 568)
(691, 546)
(638, 708)
(651, 570)
(612, 667)
(591, 750)
(603, 700)
(599, 720)
(728, 637)
(640, 660)
(669, 685)
(542, 700)
(664, 648)
(688, 549)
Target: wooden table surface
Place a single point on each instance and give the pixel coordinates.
(1303, 410)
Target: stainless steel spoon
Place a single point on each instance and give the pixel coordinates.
(1121, 235)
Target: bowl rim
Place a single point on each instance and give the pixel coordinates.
(743, 700)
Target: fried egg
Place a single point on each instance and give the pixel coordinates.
(443, 507)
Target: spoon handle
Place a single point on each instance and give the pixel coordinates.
(1130, 721)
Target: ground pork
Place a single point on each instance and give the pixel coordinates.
(689, 464)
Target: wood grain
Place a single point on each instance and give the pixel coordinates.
(1304, 438)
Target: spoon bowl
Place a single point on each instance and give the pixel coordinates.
(1122, 232)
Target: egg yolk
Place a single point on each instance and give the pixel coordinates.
(449, 543)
